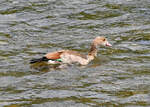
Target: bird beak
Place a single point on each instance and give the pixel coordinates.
(108, 44)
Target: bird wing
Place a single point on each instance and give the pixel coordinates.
(53, 55)
(57, 54)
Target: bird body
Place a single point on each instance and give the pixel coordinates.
(69, 56)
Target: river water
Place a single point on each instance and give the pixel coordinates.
(119, 76)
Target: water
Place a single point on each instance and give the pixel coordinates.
(119, 76)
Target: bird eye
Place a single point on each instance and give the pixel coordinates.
(104, 39)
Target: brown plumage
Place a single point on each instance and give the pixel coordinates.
(53, 55)
(69, 56)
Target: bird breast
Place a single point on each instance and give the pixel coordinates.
(70, 58)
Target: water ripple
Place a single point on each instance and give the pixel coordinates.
(119, 76)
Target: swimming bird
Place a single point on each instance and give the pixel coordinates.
(69, 56)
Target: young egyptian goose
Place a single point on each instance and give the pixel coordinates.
(69, 56)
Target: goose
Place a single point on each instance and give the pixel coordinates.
(69, 56)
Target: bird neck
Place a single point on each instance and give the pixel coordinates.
(93, 52)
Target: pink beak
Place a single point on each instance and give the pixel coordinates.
(108, 44)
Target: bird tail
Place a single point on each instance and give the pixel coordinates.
(38, 60)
